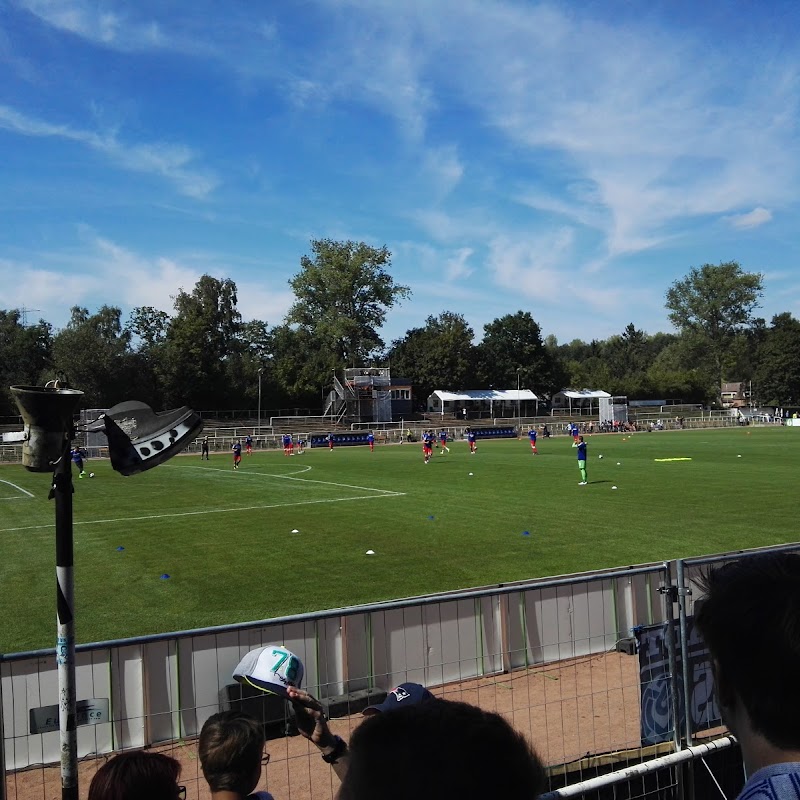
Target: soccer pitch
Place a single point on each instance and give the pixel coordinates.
(226, 538)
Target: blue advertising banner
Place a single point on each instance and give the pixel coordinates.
(657, 724)
(339, 439)
(495, 433)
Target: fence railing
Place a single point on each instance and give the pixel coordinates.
(553, 655)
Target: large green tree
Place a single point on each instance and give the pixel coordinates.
(777, 376)
(439, 355)
(512, 345)
(93, 353)
(25, 353)
(715, 303)
(343, 292)
(203, 347)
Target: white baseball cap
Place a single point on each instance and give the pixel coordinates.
(271, 668)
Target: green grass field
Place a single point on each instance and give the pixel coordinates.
(225, 538)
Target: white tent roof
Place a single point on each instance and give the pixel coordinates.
(486, 394)
(573, 394)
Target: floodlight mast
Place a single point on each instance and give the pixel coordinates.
(138, 439)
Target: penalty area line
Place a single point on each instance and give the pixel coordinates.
(230, 472)
(209, 511)
(19, 488)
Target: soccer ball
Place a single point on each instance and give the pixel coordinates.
(91, 474)
(600, 456)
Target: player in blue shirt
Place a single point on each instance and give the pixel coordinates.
(427, 445)
(248, 444)
(330, 442)
(532, 437)
(287, 443)
(471, 439)
(77, 460)
(582, 460)
(574, 430)
(237, 454)
(371, 441)
(443, 440)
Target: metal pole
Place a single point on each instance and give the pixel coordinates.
(260, 370)
(629, 773)
(2, 742)
(65, 634)
(667, 614)
(683, 593)
(519, 416)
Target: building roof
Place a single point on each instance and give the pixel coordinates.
(486, 394)
(575, 394)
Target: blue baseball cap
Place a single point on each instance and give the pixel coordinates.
(406, 694)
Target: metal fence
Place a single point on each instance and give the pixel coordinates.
(554, 656)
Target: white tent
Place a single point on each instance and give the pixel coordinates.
(445, 401)
(580, 399)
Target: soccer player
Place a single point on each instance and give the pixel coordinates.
(582, 460)
(330, 442)
(287, 443)
(237, 454)
(77, 460)
(471, 439)
(371, 441)
(204, 448)
(575, 431)
(301, 446)
(427, 446)
(248, 444)
(443, 440)
(532, 437)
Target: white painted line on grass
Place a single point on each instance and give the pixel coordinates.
(24, 491)
(290, 478)
(211, 511)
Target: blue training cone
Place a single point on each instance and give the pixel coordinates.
(120, 549)
(526, 533)
(165, 577)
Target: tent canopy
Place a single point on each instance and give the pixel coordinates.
(574, 394)
(496, 395)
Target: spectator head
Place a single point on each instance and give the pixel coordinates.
(439, 750)
(137, 774)
(231, 751)
(406, 694)
(750, 620)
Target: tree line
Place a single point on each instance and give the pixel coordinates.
(205, 355)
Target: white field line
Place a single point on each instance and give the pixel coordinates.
(289, 478)
(214, 511)
(24, 491)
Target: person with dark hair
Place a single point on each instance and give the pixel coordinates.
(231, 751)
(750, 621)
(440, 750)
(312, 722)
(137, 774)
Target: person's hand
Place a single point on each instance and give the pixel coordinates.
(310, 717)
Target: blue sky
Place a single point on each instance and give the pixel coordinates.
(568, 159)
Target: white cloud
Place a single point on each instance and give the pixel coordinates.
(663, 127)
(169, 161)
(94, 22)
(445, 169)
(753, 219)
(532, 266)
(456, 267)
